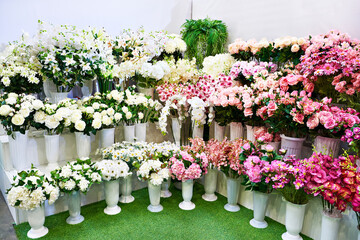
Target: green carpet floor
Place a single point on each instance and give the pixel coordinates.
(208, 220)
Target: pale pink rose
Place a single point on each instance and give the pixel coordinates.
(248, 112)
(330, 123)
(272, 106)
(299, 118)
(247, 104)
(313, 122)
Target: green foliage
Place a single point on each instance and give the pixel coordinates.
(293, 195)
(226, 115)
(21, 84)
(204, 37)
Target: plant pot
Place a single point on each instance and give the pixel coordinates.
(126, 189)
(260, 201)
(176, 129)
(198, 131)
(236, 130)
(74, 201)
(52, 150)
(330, 227)
(140, 132)
(87, 88)
(112, 197)
(233, 188)
(210, 185)
(146, 91)
(178, 185)
(250, 133)
(294, 220)
(83, 145)
(129, 133)
(293, 146)
(18, 150)
(187, 193)
(56, 97)
(327, 146)
(107, 137)
(219, 132)
(165, 193)
(36, 219)
(154, 194)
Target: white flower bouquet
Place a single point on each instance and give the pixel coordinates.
(31, 189)
(218, 64)
(78, 175)
(153, 171)
(112, 170)
(162, 151)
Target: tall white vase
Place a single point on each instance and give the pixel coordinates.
(260, 201)
(126, 189)
(233, 188)
(187, 193)
(87, 88)
(293, 146)
(112, 197)
(83, 145)
(18, 150)
(129, 133)
(294, 220)
(154, 195)
(74, 201)
(236, 130)
(140, 132)
(176, 129)
(330, 227)
(250, 133)
(36, 219)
(198, 131)
(219, 132)
(49, 87)
(210, 185)
(56, 97)
(327, 146)
(165, 193)
(107, 137)
(52, 150)
(146, 91)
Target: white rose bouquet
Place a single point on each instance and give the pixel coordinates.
(31, 189)
(81, 118)
(17, 111)
(78, 175)
(154, 171)
(149, 74)
(112, 170)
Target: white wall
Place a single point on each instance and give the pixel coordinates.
(17, 16)
(276, 18)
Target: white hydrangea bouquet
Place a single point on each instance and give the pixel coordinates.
(113, 169)
(17, 111)
(78, 175)
(218, 64)
(153, 171)
(31, 188)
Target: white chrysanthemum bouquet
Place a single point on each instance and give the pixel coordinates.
(153, 171)
(31, 189)
(78, 175)
(113, 170)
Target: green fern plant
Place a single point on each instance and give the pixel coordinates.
(204, 37)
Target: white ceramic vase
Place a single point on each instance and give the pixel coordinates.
(165, 193)
(330, 227)
(293, 146)
(236, 130)
(327, 146)
(233, 188)
(74, 201)
(126, 189)
(198, 131)
(140, 132)
(176, 129)
(56, 97)
(18, 143)
(219, 131)
(48, 87)
(52, 150)
(294, 220)
(260, 201)
(129, 133)
(112, 197)
(107, 137)
(36, 219)
(87, 88)
(187, 193)
(146, 91)
(83, 145)
(154, 195)
(210, 185)
(250, 133)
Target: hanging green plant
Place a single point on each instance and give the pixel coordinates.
(204, 37)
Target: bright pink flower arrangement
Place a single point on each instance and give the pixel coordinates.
(263, 133)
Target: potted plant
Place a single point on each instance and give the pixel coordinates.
(262, 133)
(73, 178)
(29, 191)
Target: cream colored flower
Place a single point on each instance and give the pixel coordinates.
(80, 125)
(18, 120)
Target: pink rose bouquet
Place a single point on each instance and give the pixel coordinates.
(262, 133)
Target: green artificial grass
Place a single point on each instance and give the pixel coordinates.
(209, 220)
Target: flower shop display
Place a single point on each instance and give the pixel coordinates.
(155, 172)
(262, 133)
(112, 171)
(73, 178)
(204, 37)
(29, 191)
(185, 167)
